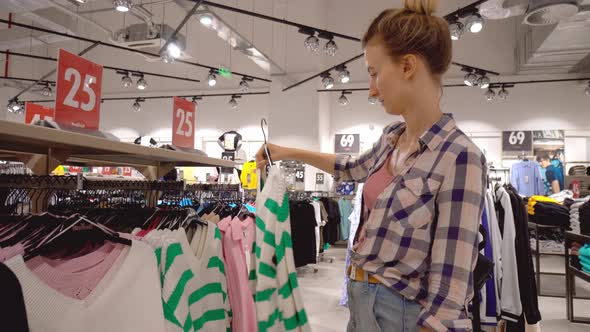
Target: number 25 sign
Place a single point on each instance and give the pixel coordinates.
(79, 82)
(183, 123)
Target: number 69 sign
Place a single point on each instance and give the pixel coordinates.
(77, 101)
(183, 123)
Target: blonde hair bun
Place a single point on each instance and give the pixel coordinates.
(423, 7)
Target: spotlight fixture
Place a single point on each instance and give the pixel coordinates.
(373, 100)
(342, 100)
(174, 50)
(470, 79)
(122, 6)
(233, 103)
(212, 78)
(244, 85)
(457, 29)
(327, 80)
(312, 43)
(126, 81)
(475, 23)
(483, 82)
(490, 95)
(206, 20)
(14, 106)
(588, 89)
(343, 74)
(142, 83)
(47, 91)
(137, 105)
(331, 48)
(196, 99)
(503, 94)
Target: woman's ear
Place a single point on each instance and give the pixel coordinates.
(409, 64)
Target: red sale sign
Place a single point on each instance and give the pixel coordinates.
(34, 113)
(183, 123)
(77, 100)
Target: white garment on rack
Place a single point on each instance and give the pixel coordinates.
(318, 218)
(127, 299)
(510, 294)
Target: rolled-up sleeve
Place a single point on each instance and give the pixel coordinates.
(349, 168)
(454, 248)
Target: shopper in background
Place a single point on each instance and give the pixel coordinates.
(416, 247)
(550, 174)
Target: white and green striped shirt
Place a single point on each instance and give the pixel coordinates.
(273, 278)
(194, 293)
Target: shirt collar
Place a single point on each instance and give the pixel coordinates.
(432, 137)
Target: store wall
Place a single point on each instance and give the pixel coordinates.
(529, 107)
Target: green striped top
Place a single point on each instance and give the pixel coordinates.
(273, 278)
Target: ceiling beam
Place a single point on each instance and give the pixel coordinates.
(277, 20)
(88, 40)
(116, 69)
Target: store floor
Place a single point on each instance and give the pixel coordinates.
(322, 291)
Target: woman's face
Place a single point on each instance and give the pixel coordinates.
(388, 81)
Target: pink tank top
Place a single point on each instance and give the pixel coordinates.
(376, 184)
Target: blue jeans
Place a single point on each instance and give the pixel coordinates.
(376, 308)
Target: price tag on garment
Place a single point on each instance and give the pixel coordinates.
(35, 112)
(517, 141)
(300, 174)
(77, 99)
(319, 178)
(228, 156)
(347, 143)
(183, 123)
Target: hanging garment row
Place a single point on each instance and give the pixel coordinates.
(510, 294)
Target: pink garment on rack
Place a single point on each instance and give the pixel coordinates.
(240, 298)
(78, 277)
(9, 252)
(249, 229)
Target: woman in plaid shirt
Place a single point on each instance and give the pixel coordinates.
(416, 247)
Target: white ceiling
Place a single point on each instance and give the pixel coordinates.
(495, 48)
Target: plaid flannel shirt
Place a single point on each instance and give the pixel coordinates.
(422, 234)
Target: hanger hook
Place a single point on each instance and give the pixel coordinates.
(263, 123)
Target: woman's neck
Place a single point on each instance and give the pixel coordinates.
(421, 117)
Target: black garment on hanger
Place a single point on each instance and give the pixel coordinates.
(332, 228)
(303, 225)
(524, 263)
(230, 141)
(13, 314)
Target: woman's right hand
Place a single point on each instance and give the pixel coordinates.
(277, 153)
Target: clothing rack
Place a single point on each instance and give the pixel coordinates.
(571, 273)
(33, 192)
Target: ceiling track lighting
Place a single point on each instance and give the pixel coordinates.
(212, 78)
(343, 100)
(503, 93)
(327, 80)
(126, 80)
(206, 20)
(312, 43)
(470, 78)
(343, 74)
(457, 29)
(14, 106)
(141, 82)
(475, 23)
(233, 103)
(483, 81)
(173, 51)
(136, 105)
(490, 95)
(244, 85)
(330, 48)
(123, 6)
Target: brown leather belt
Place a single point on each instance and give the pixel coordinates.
(357, 274)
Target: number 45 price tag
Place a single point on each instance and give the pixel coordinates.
(77, 99)
(183, 123)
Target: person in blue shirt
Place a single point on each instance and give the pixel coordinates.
(551, 173)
